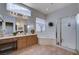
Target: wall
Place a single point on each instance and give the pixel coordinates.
(3, 10)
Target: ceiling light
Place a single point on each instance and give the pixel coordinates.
(46, 9)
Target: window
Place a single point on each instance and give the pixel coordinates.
(40, 25)
(18, 9)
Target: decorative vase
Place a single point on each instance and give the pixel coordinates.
(32, 31)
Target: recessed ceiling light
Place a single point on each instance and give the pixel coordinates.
(47, 9)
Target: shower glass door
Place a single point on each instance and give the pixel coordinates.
(68, 32)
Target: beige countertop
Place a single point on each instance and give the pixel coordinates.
(6, 37)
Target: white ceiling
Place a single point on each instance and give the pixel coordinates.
(47, 8)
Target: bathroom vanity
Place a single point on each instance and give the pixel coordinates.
(17, 42)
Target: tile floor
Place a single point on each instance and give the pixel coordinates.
(42, 50)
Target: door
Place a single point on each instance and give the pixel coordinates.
(68, 32)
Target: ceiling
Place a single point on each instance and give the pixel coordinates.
(47, 8)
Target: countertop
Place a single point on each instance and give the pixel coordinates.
(6, 37)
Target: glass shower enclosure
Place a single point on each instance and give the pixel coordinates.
(77, 26)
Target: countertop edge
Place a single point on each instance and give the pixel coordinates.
(7, 37)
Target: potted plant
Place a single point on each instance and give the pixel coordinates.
(14, 33)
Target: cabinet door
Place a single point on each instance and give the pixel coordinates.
(27, 41)
(21, 43)
(33, 39)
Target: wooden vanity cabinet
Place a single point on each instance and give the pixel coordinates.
(26, 41)
(18, 43)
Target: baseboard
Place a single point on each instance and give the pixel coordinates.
(71, 50)
(47, 41)
(77, 52)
